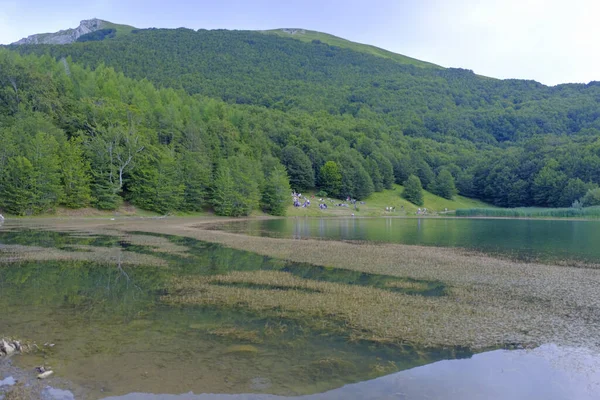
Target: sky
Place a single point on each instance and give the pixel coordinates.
(550, 41)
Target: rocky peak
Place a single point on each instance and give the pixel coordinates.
(65, 36)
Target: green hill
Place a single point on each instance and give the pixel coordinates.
(380, 117)
(375, 205)
(320, 37)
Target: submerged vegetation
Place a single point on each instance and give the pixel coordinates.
(383, 293)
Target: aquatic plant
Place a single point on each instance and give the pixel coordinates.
(531, 212)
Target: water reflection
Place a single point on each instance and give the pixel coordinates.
(114, 334)
(548, 373)
(523, 239)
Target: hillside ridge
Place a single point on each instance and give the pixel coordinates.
(70, 35)
(87, 26)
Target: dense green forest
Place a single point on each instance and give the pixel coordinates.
(234, 120)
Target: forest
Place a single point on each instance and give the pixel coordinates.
(179, 120)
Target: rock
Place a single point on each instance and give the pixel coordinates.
(45, 374)
(65, 36)
(6, 348)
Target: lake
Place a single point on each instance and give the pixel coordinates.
(521, 239)
(139, 315)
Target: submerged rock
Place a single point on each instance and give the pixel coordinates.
(45, 374)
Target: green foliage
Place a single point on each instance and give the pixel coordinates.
(413, 191)
(330, 179)
(276, 192)
(575, 190)
(207, 96)
(444, 185)
(356, 182)
(591, 198)
(156, 184)
(373, 170)
(75, 175)
(236, 187)
(17, 190)
(299, 168)
(196, 175)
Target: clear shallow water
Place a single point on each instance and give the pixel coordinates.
(546, 373)
(523, 239)
(111, 333)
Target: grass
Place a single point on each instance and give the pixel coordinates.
(308, 36)
(531, 212)
(122, 30)
(376, 203)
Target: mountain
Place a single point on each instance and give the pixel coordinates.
(86, 29)
(320, 37)
(322, 107)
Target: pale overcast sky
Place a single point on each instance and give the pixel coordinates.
(551, 41)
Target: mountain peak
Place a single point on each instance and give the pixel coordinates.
(69, 35)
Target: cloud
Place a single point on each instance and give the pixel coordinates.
(550, 41)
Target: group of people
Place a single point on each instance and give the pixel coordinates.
(303, 201)
(299, 200)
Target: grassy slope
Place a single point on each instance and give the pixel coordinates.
(309, 36)
(375, 205)
(122, 30)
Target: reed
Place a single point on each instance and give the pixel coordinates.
(530, 212)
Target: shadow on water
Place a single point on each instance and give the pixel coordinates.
(113, 334)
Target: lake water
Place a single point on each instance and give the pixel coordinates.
(99, 308)
(104, 327)
(522, 239)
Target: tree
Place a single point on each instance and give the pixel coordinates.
(373, 170)
(576, 189)
(299, 168)
(276, 192)
(75, 176)
(196, 174)
(548, 185)
(413, 191)
(444, 185)
(356, 182)
(156, 183)
(17, 188)
(330, 178)
(591, 198)
(224, 196)
(236, 187)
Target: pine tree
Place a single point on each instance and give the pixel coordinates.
(276, 192)
(299, 168)
(330, 178)
(224, 194)
(444, 185)
(75, 176)
(17, 194)
(413, 191)
(196, 174)
(373, 170)
(156, 185)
